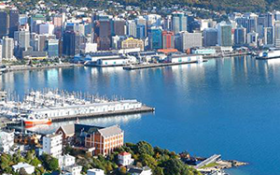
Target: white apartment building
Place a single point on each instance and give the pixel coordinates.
(6, 141)
(52, 145)
(125, 159)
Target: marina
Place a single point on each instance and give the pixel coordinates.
(49, 106)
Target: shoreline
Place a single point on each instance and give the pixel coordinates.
(14, 68)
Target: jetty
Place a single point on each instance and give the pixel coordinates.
(156, 65)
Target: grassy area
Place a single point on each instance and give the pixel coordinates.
(210, 165)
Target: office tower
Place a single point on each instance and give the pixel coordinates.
(119, 27)
(153, 20)
(35, 20)
(42, 39)
(190, 40)
(269, 20)
(210, 37)
(46, 28)
(168, 40)
(167, 24)
(14, 22)
(141, 31)
(179, 22)
(131, 28)
(252, 39)
(4, 24)
(68, 47)
(268, 36)
(58, 23)
(239, 36)
(8, 48)
(22, 38)
(117, 41)
(155, 38)
(105, 35)
(0, 53)
(52, 47)
(277, 34)
(224, 34)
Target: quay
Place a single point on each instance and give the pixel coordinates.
(155, 65)
(225, 55)
(38, 67)
(143, 109)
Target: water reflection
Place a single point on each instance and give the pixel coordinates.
(104, 121)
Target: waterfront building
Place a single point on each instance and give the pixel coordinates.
(52, 48)
(168, 40)
(4, 24)
(14, 22)
(155, 38)
(116, 41)
(95, 172)
(179, 22)
(89, 47)
(210, 37)
(190, 40)
(268, 36)
(182, 58)
(239, 36)
(224, 34)
(52, 145)
(6, 141)
(8, 48)
(277, 34)
(125, 159)
(131, 43)
(29, 169)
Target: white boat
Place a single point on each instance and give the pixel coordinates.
(272, 54)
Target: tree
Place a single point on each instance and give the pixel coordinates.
(123, 170)
(22, 172)
(175, 167)
(50, 163)
(145, 148)
(149, 161)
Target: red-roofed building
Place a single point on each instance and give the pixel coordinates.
(125, 159)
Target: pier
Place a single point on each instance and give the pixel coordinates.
(211, 159)
(155, 65)
(143, 109)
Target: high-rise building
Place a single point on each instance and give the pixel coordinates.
(23, 39)
(131, 28)
(8, 48)
(141, 31)
(179, 22)
(46, 28)
(155, 38)
(168, 40)
(14, 22)
(210, 37)
(252, 39)
(190, 40)
(52, 47)
(69, 43)
(119, 27)
(268, 36)
(239, 36)
(224, 34)
(4, 23)
(0, 53)
(269, 20)
(277, 34)
(105, 35)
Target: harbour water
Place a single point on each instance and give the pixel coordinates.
(225, 106)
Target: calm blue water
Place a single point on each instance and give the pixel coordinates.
(227, 106)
